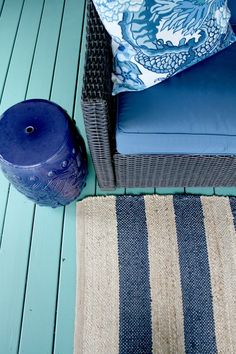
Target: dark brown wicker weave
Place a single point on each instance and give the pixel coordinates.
(116, 170)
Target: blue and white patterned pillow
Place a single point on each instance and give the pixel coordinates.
(155, 39)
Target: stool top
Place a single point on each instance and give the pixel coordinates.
(32, 131)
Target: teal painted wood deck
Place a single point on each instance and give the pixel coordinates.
(42, 46)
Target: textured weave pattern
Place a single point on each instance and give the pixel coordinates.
(135, 324)
(117, 170)
(156, 274)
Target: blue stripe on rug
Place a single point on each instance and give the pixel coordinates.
(135, 296)
(199, 327)
(232, 201)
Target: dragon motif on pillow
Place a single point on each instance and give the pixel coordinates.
(153, 40)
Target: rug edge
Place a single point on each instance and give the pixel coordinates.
(80, 244)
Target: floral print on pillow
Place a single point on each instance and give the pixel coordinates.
(153, 40)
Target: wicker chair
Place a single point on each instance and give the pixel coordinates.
(117, 170)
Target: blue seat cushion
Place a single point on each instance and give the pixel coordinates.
(193, 112)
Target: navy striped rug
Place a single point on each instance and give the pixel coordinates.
(156, 274)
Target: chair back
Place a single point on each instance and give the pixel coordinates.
(232, 7)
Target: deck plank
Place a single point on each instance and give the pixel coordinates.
(226, 191)
(17, 239)
(40, 301)
(41, 289)
(166, 191)
(64, 326)
(13, 268)
(1, 6)
(64, 84)
(4, 191)
(20, 65)
(9, 22)
(45, 53)
(200, 190)
(8, 15)
(117, 191)
(139, 191)
(69, 58)
(50, 292)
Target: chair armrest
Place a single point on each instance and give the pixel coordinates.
(97, 102)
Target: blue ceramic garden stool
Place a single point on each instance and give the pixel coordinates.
(41, 152)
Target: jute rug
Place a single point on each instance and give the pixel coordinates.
(156, 274)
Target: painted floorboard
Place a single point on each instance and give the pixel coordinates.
(40, 302)
(1, 6)
(64, 324)
(64, 84)
(16, 237)
(9, 22)
(4, 189)
(70, 58)
(42, 281)
(41, 79)
(226, 191)
(137, 191)
(169, 191)
(50, 292)
(64, 330)
(13, 269)
(200, 191)
(117, 191)
(20, 65)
